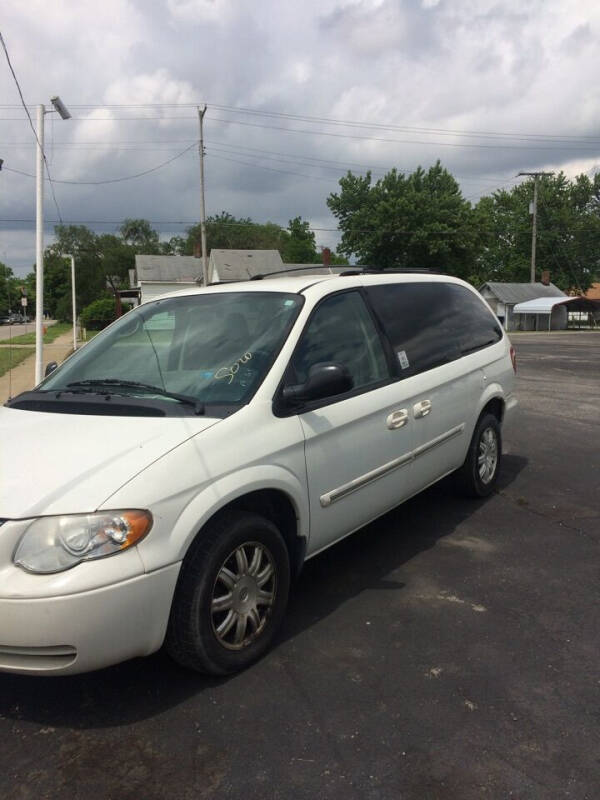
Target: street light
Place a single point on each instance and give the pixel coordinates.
(39, 230)
(68, 255)
(60, 107)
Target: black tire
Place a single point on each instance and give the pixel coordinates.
(478, 475)
(198, 636)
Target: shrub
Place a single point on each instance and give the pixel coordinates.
(98, 314)
(64, 309)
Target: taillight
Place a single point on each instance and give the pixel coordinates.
(513, 358)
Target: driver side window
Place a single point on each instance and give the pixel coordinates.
(341, 330)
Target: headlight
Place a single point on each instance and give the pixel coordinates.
(53, 544)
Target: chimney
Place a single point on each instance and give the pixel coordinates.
(546, 277)
(326, 257)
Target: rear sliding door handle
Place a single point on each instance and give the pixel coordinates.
(397, 419)
(422, 409)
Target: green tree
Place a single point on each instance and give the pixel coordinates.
(83, 244)
(98, 315)
(419, 220)
(226, 232)
(568, 232)
(176, 246)
(300, 246)
(10, 290)
(57, 281)
(140, 234)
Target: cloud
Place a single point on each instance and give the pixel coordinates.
(431, 74)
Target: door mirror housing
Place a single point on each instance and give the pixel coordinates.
(324, 380)
(50, 367)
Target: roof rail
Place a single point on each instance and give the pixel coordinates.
(363, 270)
(262, 275)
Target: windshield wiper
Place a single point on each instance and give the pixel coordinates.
(109, 383)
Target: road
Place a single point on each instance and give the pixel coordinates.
(10, 331)
(450, 650)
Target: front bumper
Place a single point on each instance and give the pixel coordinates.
(86, 630)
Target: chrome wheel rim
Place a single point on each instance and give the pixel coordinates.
(487, 458)
(243, 595)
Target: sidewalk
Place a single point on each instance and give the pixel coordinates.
(22, 377)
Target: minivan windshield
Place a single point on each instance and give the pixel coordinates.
(192, 350)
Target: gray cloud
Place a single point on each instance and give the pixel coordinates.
(468, 65)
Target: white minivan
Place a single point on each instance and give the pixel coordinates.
(167, 482)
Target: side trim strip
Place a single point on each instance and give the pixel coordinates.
(363, 480)
(357, 483)
(443, 437)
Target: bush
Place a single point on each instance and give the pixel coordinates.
(98, 314)
(64, 309)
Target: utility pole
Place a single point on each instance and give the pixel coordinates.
(201, 113)
(39, 230)
(535, 176)
(39, 245)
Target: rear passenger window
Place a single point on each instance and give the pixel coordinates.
(430, 324)
(341, 330)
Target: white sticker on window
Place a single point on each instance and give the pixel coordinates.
(402, 358)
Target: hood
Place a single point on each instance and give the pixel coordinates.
(69, 464)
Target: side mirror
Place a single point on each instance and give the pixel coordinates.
(324, 380)
(50, 367)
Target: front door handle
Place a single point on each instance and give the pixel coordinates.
(397, 419)
(422, 409)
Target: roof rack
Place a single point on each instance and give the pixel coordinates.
(262, 275)
(363, 270)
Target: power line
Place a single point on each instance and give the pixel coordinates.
(112, 180)
(10, 66)
(272, 169)
(271, 154)
(398, 141)
(562, 143)
(299, 159)
(335, 121)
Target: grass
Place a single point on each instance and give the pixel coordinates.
(52, 333)
(10, 358)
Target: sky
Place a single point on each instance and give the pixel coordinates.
(297, 94)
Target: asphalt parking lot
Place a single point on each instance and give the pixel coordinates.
(449, 650)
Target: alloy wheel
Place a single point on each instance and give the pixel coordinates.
(243, 594)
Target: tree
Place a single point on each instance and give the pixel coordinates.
(82, 243)
(174, 247)
(299, 246)
(225, 232)
(10, 293)
(140, 235)
(568, 232)
(420, 220)
(57, 282)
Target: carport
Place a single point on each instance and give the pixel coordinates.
(557, 309)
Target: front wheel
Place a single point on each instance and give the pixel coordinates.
(231, 594)
(479, 474)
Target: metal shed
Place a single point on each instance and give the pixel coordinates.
(556, 309)
(503, 297)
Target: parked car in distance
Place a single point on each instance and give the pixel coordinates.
(212, 440)
(11, 319)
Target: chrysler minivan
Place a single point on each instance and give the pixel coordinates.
(166, 483)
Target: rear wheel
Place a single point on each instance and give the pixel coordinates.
(479, 474)
(231, 594)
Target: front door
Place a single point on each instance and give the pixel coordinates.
(358, 445)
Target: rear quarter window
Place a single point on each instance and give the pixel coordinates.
(429, 324)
